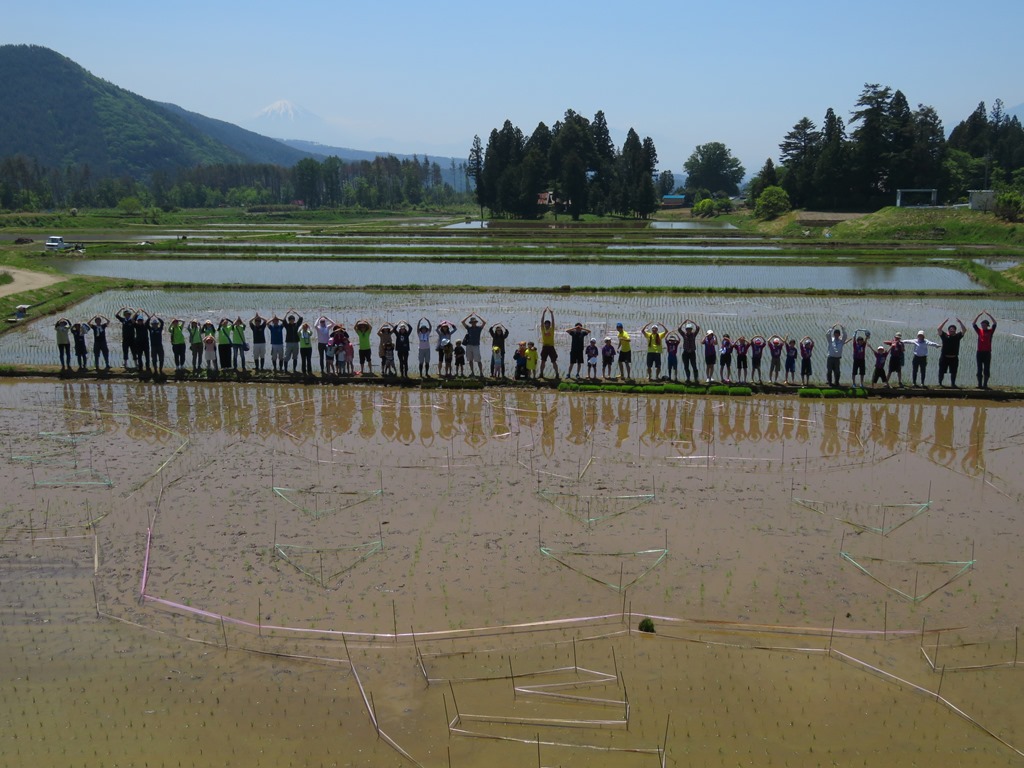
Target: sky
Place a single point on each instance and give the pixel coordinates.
(413, 77)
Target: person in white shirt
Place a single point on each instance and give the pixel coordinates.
(836, 338)
(324, 326)
(920, 359)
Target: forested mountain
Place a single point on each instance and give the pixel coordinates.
(59, 115)
(254, 147)
(69, 139)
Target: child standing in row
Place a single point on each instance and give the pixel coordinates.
(592, 353)
(607, 357)
(672, 348)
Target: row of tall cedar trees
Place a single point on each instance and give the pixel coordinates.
(892, 147)
(384, 182)
(572, 167)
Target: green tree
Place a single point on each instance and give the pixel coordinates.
(571, 157)
(475, 171)
(872, 145)
(330, 171)
(972, 135)
(307, 182)
(603, 175)
(666, 183)
(501, 173)
(1009, 205)
(772, 203)
(830, 184)
(901, 136)
(129, 205)
(712, 165)
(929, 152)
(704, 208)
(766, 177)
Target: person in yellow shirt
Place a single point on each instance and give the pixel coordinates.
(531, 360)
(625, 353)
(655, 334)
(547, 341)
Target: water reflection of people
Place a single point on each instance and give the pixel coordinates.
(724, 427)
(830, 429)
(500, 419)
(854, 438)
(772, 431)
(915, 424)
(754, 426)
(367, 411)
(803, 423)
(549, 417)
(622, 421)
(891, 435)
(446, 421)
(739, 429)
(706, 434)
(942, 451)
(427, 424)
(577, 434)
(788, 421)
(474, 420)
(652, 434)
(406, 433)
(389, 420)
(973, 461)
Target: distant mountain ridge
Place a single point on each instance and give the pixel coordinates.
(59, 115)
(259, 149)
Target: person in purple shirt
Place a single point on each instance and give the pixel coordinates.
(688, 336)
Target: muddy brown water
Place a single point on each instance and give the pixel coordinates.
(826, 580)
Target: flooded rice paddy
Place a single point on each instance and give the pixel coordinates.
(522, 275)
(272, 575)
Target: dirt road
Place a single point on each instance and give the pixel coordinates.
(25, 280)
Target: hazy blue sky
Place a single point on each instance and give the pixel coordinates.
(422, 77)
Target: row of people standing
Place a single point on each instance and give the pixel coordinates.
(291, 339)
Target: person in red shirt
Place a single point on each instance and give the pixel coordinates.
(984, 353)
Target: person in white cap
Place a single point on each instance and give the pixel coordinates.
(919, 364)
(688, 338)
(592, 353)
(897, 355)
(710, 343)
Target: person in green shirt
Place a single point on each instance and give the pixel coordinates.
(195, 343)
(238, 344)
(177, 329)
(224, 343)
(363, 329)
(306, 334)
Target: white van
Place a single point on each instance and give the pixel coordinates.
(55, 243)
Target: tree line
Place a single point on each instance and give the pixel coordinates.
(385, 182)
(575, 161)
(889, 146)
